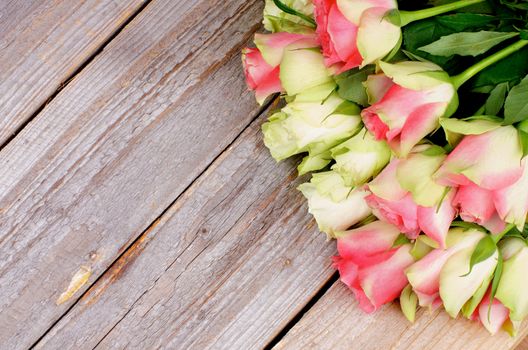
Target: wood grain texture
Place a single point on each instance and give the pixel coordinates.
(227, 267)
(523, 344)
(336, 322)
(42, 43)
(113, 150)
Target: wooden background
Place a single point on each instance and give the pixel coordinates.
(139, 208)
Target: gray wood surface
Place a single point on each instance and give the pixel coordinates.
(113, 150)
(42, 43)
(138, 210)
(336, 322)
(230, 263)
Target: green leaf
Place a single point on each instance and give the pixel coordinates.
(464, 21)
(496, 99)
(497, 276)
(400, 240)
(512, 70)
(466, 43)
(484, 249)
(516, 4)
(516, 106)
(467, 225)
(433, 151)
(350, 85)
(291, 11)
(408, 303)
(424, 32)
(523, 136)
(422, 246)
(496, 279)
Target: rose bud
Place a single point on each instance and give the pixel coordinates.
(459, 281)
(355, 33)
(335, 207)
(493, 317)
(369, 264)
(261, 65)
(513, 283)
(512, 202)
(276, 20)
(424, 275)
(491, 160)
(422, 205)
(360, 158)
(313, 127)
(260, 76)
(476, 205)
(409, 106)
(304, 75)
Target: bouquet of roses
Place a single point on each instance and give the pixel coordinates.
(414, 125)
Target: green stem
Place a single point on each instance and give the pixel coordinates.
(469, 73)
(284, 8)
(411, 16)
(499, 236)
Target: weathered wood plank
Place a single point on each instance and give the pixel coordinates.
(227, 267)
(336, 322)
(42, 43)
(523, 344)
(113, 150)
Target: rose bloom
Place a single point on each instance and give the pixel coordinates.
(262, 64)
(369, 264)
(355, 33)
(407, 102)
(391, 203)
(492, 179)
(442, 275)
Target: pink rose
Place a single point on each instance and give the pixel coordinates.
(425, 275)
(355, 33)
(260, 76)
(492, 179)
(492, 318)
(370, 266)
(512, 202)
(262, 64)
(476, 205)
(491, 160)
(409, 106)
(390, 202)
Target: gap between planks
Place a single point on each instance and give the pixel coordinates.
(75, 72)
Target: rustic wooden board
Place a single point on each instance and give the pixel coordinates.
(113, 150)
(523, 344)
(336, 322)
(42, 43)
(227, 267)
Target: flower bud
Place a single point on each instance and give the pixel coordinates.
(410, 108)
(335, 207)
(304, 75)
(425, 274)
(260, 76)
(360, 158)
(355, 33)
(392, 202)
(491, 160)
(457, 286)
(276, 20)
(493, 317)
(369, 264)
(313, 127)
(513, 283)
